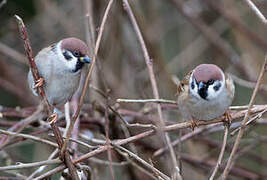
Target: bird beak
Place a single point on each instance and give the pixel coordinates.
(201, 86)
(202, 90)
(85, 59)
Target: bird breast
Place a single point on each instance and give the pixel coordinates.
(199, 109)
(60, 83)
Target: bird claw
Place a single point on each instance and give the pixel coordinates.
(53, 118)
(228, 118)
(39, 83)
(193, 125)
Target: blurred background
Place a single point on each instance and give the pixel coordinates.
(179, 35)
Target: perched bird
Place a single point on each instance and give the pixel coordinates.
(205, 93)
(59, 66)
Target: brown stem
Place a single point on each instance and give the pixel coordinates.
(75, 116)
(243, 126)
(149, 63)
(41, 92)
(174, 127)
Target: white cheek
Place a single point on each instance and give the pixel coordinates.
(212, 94)
(194, 92)
(70, 64)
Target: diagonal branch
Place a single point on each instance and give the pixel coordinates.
(41, 93)
(256, 11)
(99, 37)
(174, 127)
(219, 161)
(243, 126)
(149, 63)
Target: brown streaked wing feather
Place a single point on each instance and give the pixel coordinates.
(228, 82)
(185, 81)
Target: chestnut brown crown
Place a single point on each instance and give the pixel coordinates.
(206, 72)
(74, 44)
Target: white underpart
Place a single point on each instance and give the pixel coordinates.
(215, 104)
(60, 81)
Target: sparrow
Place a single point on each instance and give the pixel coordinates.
(59, 66)
(205, 93)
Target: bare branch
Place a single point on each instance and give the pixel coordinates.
(149, 63)
(140, 160)
(99, 37)
(219, 161)
(256, 11)
(145, 101)
(243, 126)
(175, 127)
(29, 137)
(30, 165)
(41, 92)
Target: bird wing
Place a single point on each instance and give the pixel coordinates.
(229, 84)
(184, 82)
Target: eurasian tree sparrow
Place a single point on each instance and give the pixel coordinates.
(60, 67)
(205, 93)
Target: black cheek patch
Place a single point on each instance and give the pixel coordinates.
(203, 93)
(78, 66)
(66, 55)
(217, 87)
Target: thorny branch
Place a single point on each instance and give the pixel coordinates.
(42, 95)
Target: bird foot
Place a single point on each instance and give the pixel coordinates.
(53, 118)
(39, 83)
(193, 124)
(228, 118)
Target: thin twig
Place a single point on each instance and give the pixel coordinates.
(136, 165)
(29, 52)
(18, 127)
(249, 121)
(99, 37)
(175, 127)
(243, 126)
(219, 161)
(40, 169)
(30, 165)
(256, 11)
(247, 84)
(79, 142)
(146, 101)
(184, 138)
(149, 63)
(103, 162)
(211, 35)
(241, 27)
(140, 160)
(129, 125)
(29, 137)
(108, 142)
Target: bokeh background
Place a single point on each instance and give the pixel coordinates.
(179, 35)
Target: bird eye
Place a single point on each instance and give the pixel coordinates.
(76, 54)
(210, 81)
(217, 87)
